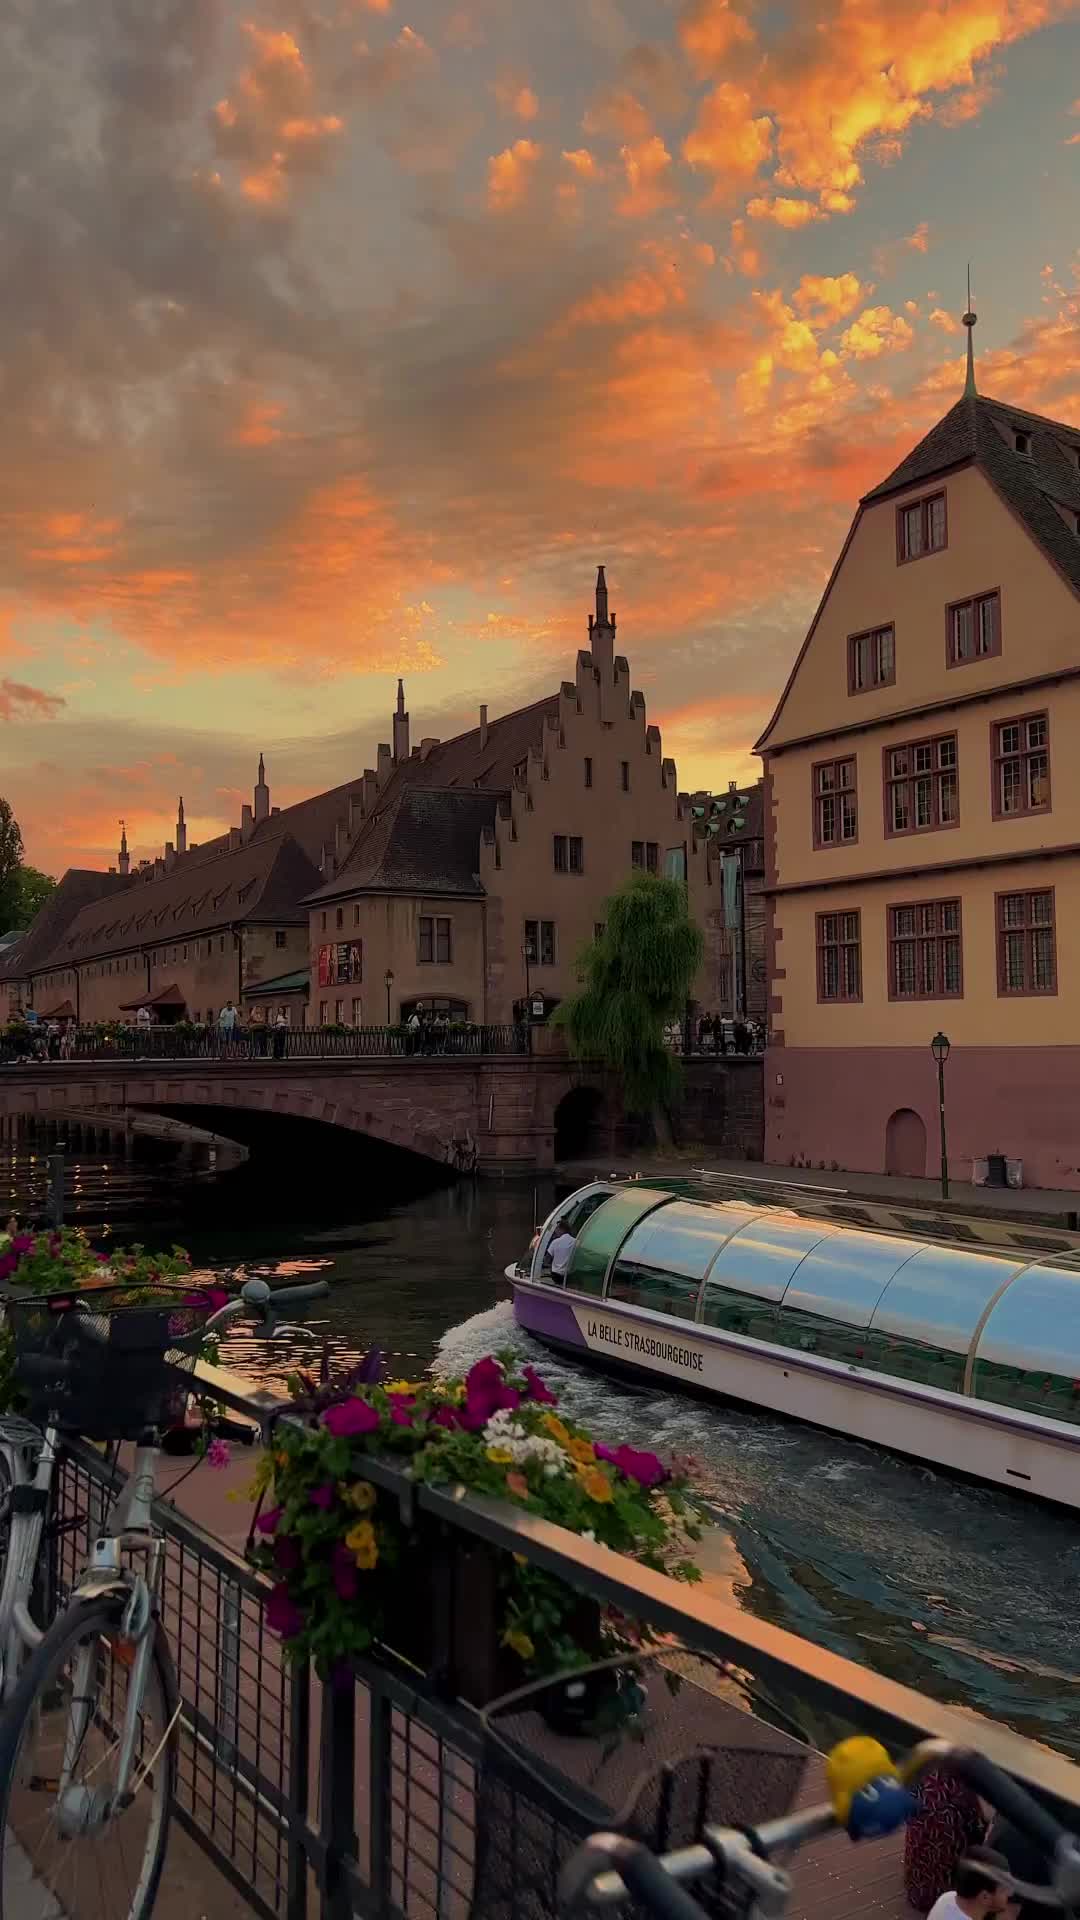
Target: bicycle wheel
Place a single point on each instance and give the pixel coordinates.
(67, 1849)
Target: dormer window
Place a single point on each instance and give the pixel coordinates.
(1021, 441)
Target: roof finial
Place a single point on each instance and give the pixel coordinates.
(401, 696)
(262, 771)
(970, 317)
(601, 598)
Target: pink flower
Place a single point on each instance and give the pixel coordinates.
(24, 1243)
(401, 1411)
(218, 1454)
(209, 1297)
(323, 1496)
(537, 1388)
(343, 1572)
(269, 1521)
(287, 1552)
(486, 1393)
(445, 1417)
(349, 1417)
(645, 1468)
(103, 1260)
(8, 1264)
(283, 1616)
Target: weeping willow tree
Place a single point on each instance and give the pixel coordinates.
(636, 979)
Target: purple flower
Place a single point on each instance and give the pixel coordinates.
(445, 1416)
(287, 1552)
(343, 1572)
(8, 1264)
(401, 1410)
(24, 1243)
(645, 1468)
(209, 1297)
(486, 1393)
(283, 1616)
(537, 1389)
(218, 1454)
(349, 1417)
(269, 1521)
(323, 1496)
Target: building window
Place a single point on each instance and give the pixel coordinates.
(339, 1013)
(924, 951)
(280, 938)
(540, 942)
(322, 918)
(568, 853)
(588, 771)
(1021, 440)
(921, 527)
(637, 853)
(921, 786)
(624, 773)
(356, 1013)
(839, 959)
(652, 857)
(1021, 752)
(322, 1013)
(434, 939)
(339, 918)
(871, 659)
(1027, 948)
(974, 629)
(356, 915)
(836, 807)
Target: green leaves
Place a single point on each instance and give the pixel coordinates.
(637, 978)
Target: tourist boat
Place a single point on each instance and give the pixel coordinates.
(967, 1360)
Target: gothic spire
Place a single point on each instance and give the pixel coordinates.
(601, 598)
(124, 862)
(181, 828)
(262, 793)
(401, 696)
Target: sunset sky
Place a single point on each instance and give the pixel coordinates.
(343, 338)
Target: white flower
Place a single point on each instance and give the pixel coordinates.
(588, 1534)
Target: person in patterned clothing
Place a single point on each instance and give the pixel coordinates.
(948, 1820)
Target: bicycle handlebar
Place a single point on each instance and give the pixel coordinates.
(595, 1872)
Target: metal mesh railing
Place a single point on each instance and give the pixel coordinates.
(268, 1043)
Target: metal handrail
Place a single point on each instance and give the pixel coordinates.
(139, 1044)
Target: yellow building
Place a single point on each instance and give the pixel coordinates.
(923, 817)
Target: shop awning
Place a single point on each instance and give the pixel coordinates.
(65, 1011)
(165, 997)
(298, 982)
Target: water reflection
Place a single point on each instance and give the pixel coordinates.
(963, 1592)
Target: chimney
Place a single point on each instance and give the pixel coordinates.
(159, 868)
(170, 856)
(383, 763)
(274, 811)
(733, 786)
(262, 793)
(483, 728)
(426, 746)
(236, 839)
(181, 828)
(247, 822)
(401, 727)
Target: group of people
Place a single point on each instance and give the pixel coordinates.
(950, 1844)
(718, 1034)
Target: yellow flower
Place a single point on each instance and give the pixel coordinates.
(595, 1484)
(360, 1541)
(499, 1456)
(361, 1495)
(519, 1643)
(582, 1451)
(281, 1459)
(404, 1386)
(556, 1429)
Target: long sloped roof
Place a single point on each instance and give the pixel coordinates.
(264, 880)
(427, 840)
(463, 766)
(80, 888)
(1035, 484)
(311, 823)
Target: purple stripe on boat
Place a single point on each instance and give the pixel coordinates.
(547, 1316)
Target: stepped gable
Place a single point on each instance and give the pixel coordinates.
(310, 822)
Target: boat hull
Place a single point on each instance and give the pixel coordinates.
(976, 1438)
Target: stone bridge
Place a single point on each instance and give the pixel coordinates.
(517, 1114)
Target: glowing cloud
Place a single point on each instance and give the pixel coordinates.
(510, 175)
(876, 331)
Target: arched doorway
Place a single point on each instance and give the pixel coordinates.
(905, 1144)
(580, 1123)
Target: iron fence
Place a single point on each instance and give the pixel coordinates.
(264, 1043)
(383, 1796)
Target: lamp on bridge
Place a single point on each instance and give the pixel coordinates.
(940, 1048)
(389, 983)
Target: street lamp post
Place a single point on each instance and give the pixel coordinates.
(939, 1047)
(389, 983)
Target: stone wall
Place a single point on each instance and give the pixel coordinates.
(723, 1108)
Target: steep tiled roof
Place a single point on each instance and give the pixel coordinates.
(1035, 484)
(311, 822)
(460, 765)
(425, 840)
(264, 880)
(79, 887)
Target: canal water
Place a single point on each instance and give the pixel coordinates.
(964, 1593)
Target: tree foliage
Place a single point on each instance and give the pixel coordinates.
(636, 979)
(32, 891)
(11, 853)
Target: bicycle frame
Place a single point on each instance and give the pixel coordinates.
(31, 1484)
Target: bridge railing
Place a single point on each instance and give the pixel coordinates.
(264, 1043)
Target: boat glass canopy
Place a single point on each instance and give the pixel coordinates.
(986, 1325)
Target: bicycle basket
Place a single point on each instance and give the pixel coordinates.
(665, 1751)
(116, 1369)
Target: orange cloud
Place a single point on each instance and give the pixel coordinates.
(876, 331)
(728, 141)
(647, 166)
(710, 30)
(641, 296)
(783, 211)
(515, 98)
(823, 299)
(946, 321)
(18, 702)
(258, 427)
(510, 175)
(582, 161)
(270, 124)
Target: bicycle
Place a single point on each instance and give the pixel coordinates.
(737, 1871)
(88, 1731)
